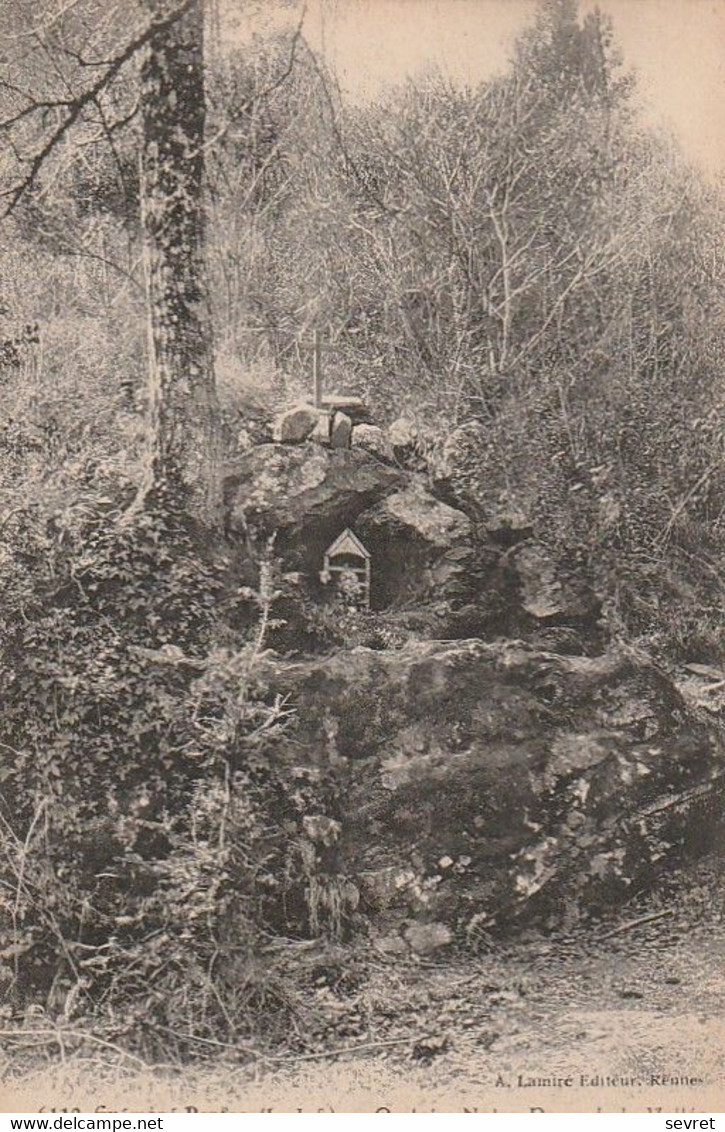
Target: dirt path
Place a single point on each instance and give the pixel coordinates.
(634, 1020)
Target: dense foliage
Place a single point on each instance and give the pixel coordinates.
(154, 830)
(521, 268)
(524, 272)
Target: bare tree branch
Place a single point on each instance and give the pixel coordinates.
(240, 111)
(76, 106)
(46, 25)
(337, 133)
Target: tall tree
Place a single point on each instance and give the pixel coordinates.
(88, 81)
(182, 394)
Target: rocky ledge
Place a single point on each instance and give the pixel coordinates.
(489, 782)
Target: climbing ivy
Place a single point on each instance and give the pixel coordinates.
(153, 830)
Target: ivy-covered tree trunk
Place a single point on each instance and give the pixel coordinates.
(184, 416)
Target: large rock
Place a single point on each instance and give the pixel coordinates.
(547, 591)
(295, 425)
(321, 431)
(372, 439)
(425, 545)
(340, 431)
(282, 488)
(306, 494)
(486, 782)
(424, 517)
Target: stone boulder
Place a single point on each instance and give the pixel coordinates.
(295, 425)
(321, 432)
(280, 488)
(487, 783)
(426, 545)
(547, 591)
(306, 494)
(372, 439)
(340, 431)
(425, 517)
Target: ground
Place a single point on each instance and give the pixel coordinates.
(539, 1023)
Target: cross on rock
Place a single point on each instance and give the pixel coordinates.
(317, 377)
(353, 406)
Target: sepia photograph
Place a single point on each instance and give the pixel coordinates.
(362, 556)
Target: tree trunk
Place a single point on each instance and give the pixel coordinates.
(184, 413)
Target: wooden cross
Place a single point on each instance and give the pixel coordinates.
(344, 402)
(317, 378)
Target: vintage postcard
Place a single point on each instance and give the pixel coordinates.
(362, 548)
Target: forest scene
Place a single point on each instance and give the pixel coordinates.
(362, 547)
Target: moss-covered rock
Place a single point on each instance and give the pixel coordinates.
(490, 781)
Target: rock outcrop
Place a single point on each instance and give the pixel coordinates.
(490, 781)
(425, 544)
(307, 494)
(424, 549)
(475, 781)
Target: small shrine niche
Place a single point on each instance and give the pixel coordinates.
(346, 571)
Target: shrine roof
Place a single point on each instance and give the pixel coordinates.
(347, 543)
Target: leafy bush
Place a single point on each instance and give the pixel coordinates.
(154, 831)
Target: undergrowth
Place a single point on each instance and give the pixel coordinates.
(156, 835)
